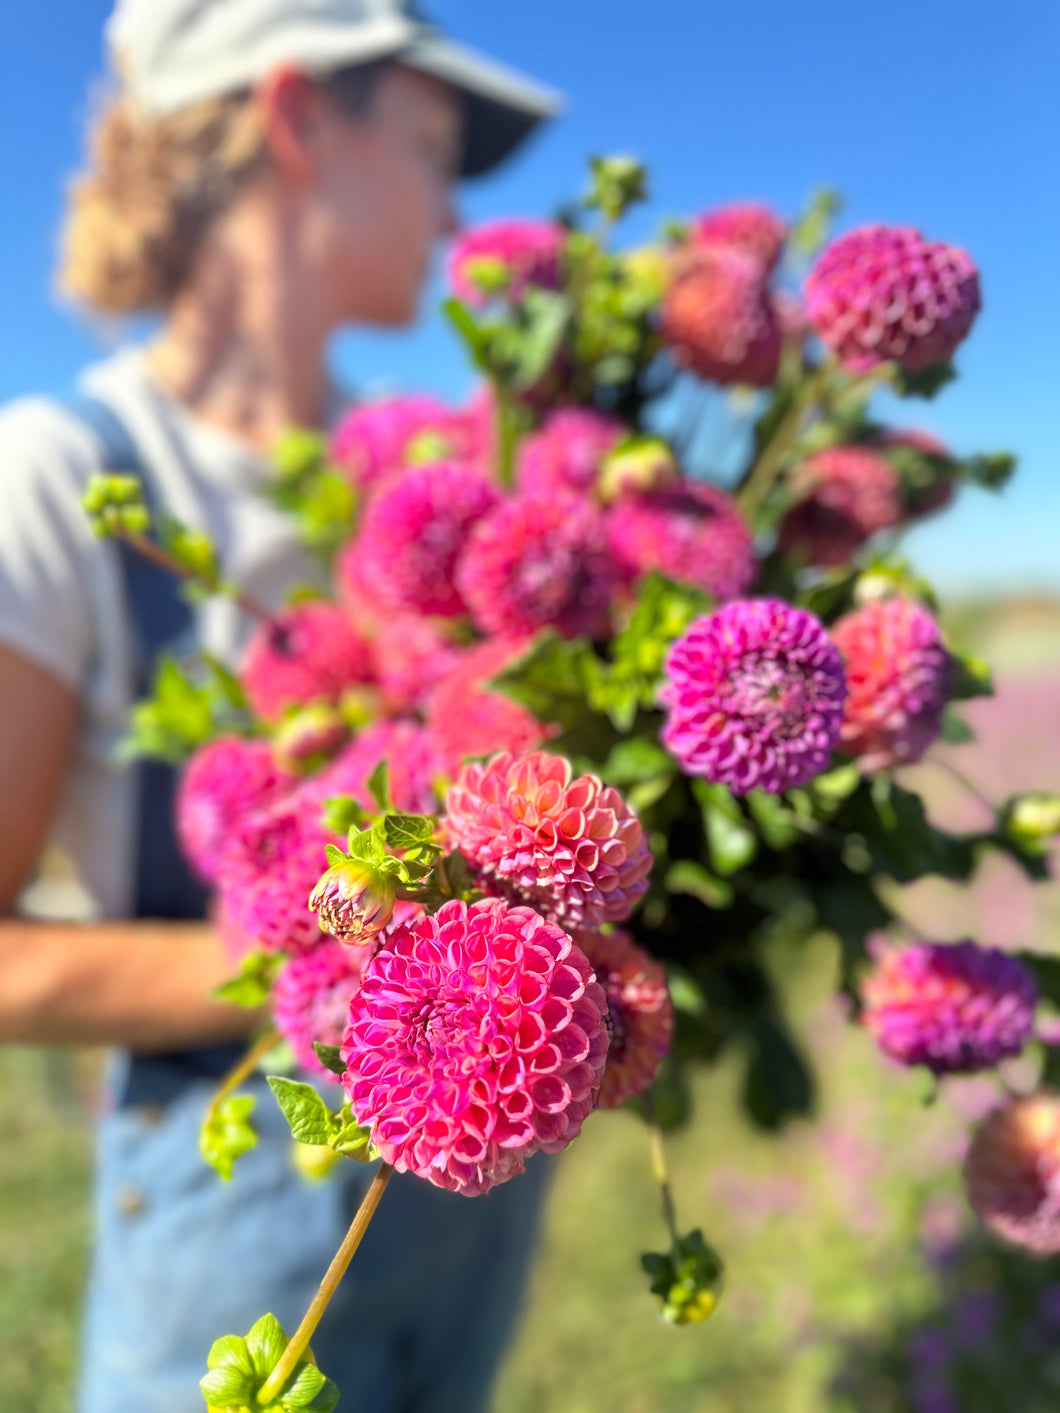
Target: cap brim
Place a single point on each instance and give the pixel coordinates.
(501, 107)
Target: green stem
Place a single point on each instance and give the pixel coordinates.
(274, 1384)
(508, 435)
(153, 551)
(755, 490)
(243, 1070)
(963, 781)
(660, 1168)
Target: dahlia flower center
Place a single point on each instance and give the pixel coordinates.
(444, 1029)
(771, 693)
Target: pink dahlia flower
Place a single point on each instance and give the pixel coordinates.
(380, 438)
(954, 1007)
(567, 454)
(898, 675)
(413, 533)
(688, 531)
(540, 563)
(311, 998)
(305, 654)
(467, 718)
(413, 763)
(640, 1014)
(224, 781)
(844, 496)
(719, 318)
(268, 869)
(884, 292)
(1012, 1172)
(572, 849)
(506, 258)
(748, 226)
(755, 697)
(411, 657)
(477, 1038)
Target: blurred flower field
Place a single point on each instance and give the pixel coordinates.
(855, 1277)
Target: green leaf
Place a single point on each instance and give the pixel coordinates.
(227, 1388)
(663, 611)
(778, 1085)
(342, 814)
(226, 682)
(330, 1056)
(970, 677)
(992, 470)
(303, 1108)
(547, 317)
(405, 831)
(732, 844)
(355, 1142)
(776, 822)
(252, 986)
(366, 846)
(635, 760)
(192, 548)
(552, 680)
(266, 1343)
(227, 1134)
(379, 786)
(687, 876)
(334, 855)
(955, 730)
(900, 839)
(926, 384)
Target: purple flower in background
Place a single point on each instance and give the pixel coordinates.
(954, 1007)
(755, 696)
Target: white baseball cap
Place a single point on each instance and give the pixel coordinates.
(172, 53)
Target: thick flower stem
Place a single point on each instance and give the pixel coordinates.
(660, 1168)
(755, 490)
(246, 1067)
(345, 1254)
(153, 551)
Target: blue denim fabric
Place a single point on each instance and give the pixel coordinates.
(418, 1325)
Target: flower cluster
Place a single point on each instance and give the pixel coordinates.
(1013, 1172)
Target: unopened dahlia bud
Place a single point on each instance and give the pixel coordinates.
(719, 318)
(1012, 1172)
(354, 901)
(309, 738)
(885, 293)
(642, 464)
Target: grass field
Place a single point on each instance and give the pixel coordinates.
(836, 1235)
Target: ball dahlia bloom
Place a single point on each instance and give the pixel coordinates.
(571, 848)
(476, 1039)
(885, 293)
(413, 533)
(898, 675)
(719, 319)
(413, 763)
(747, 225)
(466, 718)
(754, 694)
(844, 496)
(954, 1007)
(411, 656)
(222, 782)
(304, 654)
(1012, 1172)
(311, 998)
(567, 454)
(507, 258)
(688, 531)
(537, 563)
(640, 1014)
(379, 438)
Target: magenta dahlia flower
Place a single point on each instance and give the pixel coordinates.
(540, 563)
(640, 1014)
(477, 1038)
(1012, 1172)
(311, 998)
(413, 533)
(748, 226)
(506, 258)
(572, 849)
(413, 763)
(755, 696)
(844, 496)
(307, 653)
(688, 531)
(884, 292)
(898, 675)
(466, 718)
(380, 438)
(566, 455)
(222, 782)
(719, 318)
(411, 657)
(270, 865)
(954, 1007)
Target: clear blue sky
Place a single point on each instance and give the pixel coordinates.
(938, 113)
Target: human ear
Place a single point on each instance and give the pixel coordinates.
(290, 105)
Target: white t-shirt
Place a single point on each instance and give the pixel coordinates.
(62, 599)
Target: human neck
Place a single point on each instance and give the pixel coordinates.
(243, 344)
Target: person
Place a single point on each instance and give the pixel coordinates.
(265, 172)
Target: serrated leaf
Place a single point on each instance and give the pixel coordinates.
(265, 1343)
(405, 831)
(330, 1056)
(366, 845)
(309, 1117)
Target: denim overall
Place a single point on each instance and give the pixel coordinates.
(422, 1318)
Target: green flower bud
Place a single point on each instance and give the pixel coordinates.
(640, 464)
(309, 738)
(354, 901)
(1033, 817)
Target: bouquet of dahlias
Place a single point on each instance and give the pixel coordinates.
(510, 826)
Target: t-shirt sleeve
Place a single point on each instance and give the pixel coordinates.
(50, 561)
